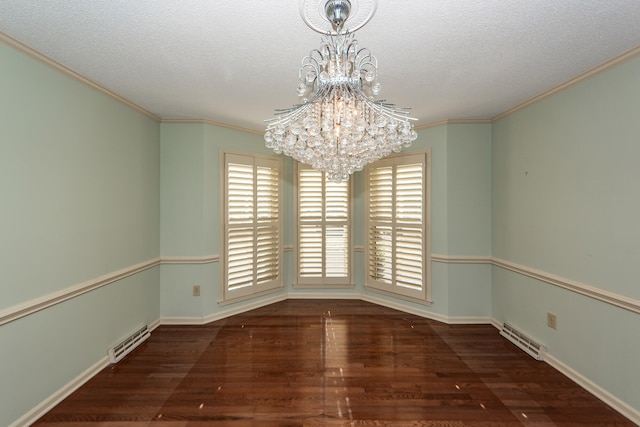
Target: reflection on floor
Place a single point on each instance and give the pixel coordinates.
(329, 363)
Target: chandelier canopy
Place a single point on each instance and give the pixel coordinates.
(339, 127)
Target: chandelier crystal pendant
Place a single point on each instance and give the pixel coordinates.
(339, 127)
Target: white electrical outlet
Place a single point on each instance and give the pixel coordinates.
(196, 290)
(552, 321)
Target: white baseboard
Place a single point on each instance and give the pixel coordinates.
(476, 320)
(631, 413)
(451, 320)
(182, 321)
(318, 295)
(50, 402)
(469, 320)
(252, 305)
(404, 308)
(496, 324)
(57, 397)
(153, 325)
(624, 409)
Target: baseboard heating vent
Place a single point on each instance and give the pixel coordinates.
(529, 346)
(119, 351)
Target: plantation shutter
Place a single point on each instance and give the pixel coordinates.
(397, 247)
(252, 257)
(268, 224)
(381, 224)
(323, 229)
(240, 230)
(409, 224)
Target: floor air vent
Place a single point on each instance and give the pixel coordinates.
(525, 343)
(119, 351)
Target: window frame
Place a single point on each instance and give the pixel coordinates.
(422, 295)
(255, 161)
(324, 281)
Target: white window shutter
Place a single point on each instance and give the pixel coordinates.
(397, 247)
(252, 246)
(323, 228)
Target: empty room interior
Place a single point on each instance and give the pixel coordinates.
(145, 194)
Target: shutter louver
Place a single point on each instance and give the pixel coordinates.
(381, 194)
(267, 263)
(310, 256)
(409, 213)
(409, 179)
(240, 193)
(267, 194)
(267, 232)
(336, 251)
(240, 257)
(409, 257)
(381, 254)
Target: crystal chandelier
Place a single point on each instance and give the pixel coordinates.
(339, 127)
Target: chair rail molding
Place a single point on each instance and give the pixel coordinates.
(29, 307)
(26, 308)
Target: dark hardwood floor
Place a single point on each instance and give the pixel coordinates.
(329, 363)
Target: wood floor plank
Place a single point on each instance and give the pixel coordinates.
(329, 363)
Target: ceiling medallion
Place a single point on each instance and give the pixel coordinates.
(339, 127)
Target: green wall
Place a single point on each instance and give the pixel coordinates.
(566, 201)
(79, 198)
(190, 215)
(469, 218)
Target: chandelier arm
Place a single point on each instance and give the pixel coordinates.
(325, 42)
(317, 56)
(364, 57)
(353, 47)
(308, 62)
(283, 116)
(402, 110)
(306, 105)
(283, 111)
(389, 110)
(322, 91)
(286, 115)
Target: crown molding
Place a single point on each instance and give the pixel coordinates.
(212, 123)
(452, 122)
(584, 76)
(10, 41)
(56, 65)
(579, 78)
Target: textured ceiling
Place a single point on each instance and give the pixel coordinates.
(234, 62)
